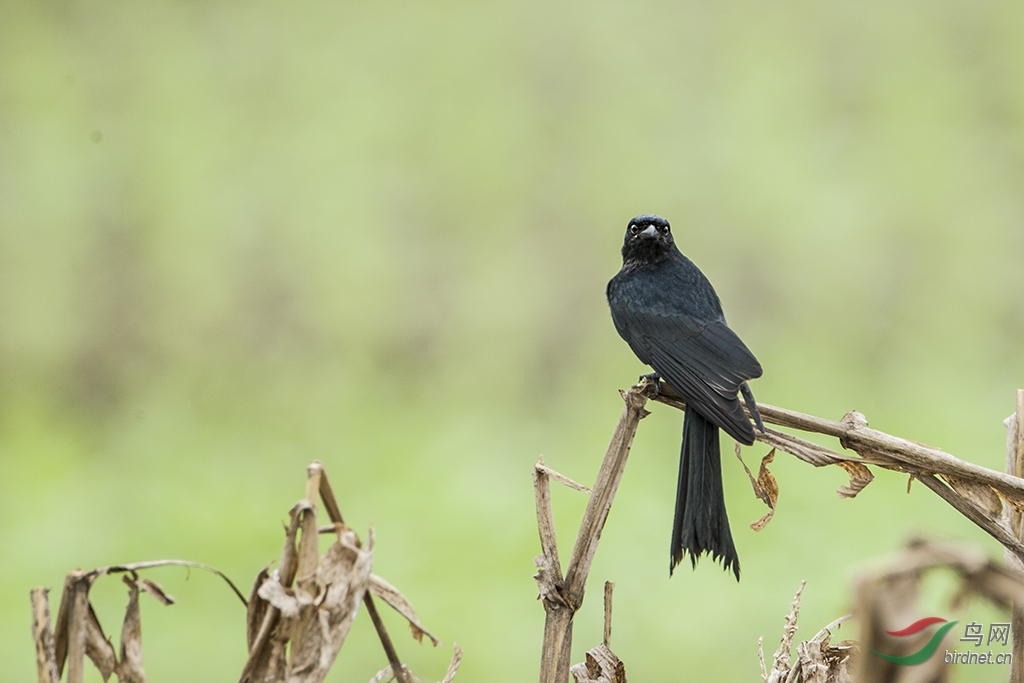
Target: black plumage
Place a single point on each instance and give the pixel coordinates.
(669, 314)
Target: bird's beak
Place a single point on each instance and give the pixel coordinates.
(650, 232)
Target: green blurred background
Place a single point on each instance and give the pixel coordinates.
(236, 237)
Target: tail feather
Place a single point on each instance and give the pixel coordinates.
(701, 524)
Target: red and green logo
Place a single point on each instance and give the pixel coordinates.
(930, 647)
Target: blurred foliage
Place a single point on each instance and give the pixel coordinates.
(237, 237)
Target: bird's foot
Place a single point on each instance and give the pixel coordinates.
(653, 380)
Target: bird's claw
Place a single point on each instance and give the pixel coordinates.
(654, 381)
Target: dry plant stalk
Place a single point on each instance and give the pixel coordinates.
(817, 660)
(886, 600)
(993, 500)
(561, 595)
(300, 613)
(601, 664)
(988, 498)
(77, 633)
(46, 652)
(297, 616)
(1012, 518)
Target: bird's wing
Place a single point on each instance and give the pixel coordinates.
(704, 361)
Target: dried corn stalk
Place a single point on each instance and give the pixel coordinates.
(817, 660)
(297, 616)
(78, 633)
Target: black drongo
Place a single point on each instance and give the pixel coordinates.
(669, 314)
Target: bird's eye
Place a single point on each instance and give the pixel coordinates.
(663, 229)
(633, 230)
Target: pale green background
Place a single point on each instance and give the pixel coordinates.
(235, 237)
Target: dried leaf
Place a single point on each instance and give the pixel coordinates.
(819, 456)
(860, 476)
(297, 618)
(385, 675)
(766, 488)
(319, 631)
(129, 669)
(819, 662)
(266, 661)
(600, 666)
(277, 595)
(811, 663)
(60, 629)
(809, 452)
(256, 609)
(136, 566)
(97, 647)
(389, 594)
(286, 566)
(981, 495)
(838, 657)
(308, 551)
(157, 591)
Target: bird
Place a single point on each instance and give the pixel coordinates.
(668, 313)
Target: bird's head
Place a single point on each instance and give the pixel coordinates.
(648, 239)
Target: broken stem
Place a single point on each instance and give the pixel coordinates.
(562, 598)
(46, 652)
(397, 668)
